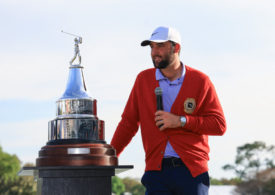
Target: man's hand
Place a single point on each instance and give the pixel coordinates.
(166, 120)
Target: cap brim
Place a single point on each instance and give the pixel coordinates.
(145, 43)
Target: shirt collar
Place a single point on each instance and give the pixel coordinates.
(160, 76)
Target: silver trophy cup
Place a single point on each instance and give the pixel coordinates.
(76, 114)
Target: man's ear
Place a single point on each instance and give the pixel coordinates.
(177, 48)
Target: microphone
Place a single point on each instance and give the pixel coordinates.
(158, 92)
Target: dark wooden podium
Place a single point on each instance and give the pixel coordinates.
(74, 180)
(73, 168)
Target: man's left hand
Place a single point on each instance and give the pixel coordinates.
(166, 120)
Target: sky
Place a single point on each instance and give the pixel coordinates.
(231, 41)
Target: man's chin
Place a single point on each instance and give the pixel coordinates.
(156, 66)
(161, 64)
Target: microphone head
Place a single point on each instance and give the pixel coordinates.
(158, 91)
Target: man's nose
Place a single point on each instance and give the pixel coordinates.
(154, 51)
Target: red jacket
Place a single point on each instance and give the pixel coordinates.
(197, 101)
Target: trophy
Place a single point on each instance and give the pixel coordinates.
(76, 135)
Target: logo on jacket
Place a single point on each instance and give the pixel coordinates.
(189, 105)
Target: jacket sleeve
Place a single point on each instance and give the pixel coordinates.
(209, 118)
(129, 123)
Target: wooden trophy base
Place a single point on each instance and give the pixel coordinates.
(80, 154)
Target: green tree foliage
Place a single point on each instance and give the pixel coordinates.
(9, 166)
(133, 186)
(138, 189)
(254, 164)
(216, 182)
(252, 158)
(117, 185)
(129, 183)
(223, 181)
(10, 183)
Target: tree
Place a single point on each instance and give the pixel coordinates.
(10, 183)
(133, 186)
(253, 160)
(138, 189)
(269, 187)
(129, 183)
(224, 181)
(117, 185)
(9, 166)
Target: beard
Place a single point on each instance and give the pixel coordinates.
(167, 59)
(162, 64)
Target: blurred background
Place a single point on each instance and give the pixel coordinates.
(231, 41)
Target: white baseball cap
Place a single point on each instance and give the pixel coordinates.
(163, 34)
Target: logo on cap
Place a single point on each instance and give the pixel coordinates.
(189, 105)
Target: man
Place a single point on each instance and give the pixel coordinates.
(175, 139)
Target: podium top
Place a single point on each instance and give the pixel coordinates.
(34, 171)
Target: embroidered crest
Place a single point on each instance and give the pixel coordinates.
(189, 105)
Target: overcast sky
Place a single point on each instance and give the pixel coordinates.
(231, 41)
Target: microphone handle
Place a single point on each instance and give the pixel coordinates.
(159, 105)
(159, 102)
